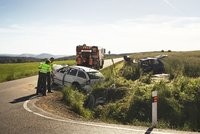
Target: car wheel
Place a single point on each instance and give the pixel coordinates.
(90, 102)
(76, 85)
(53, 84)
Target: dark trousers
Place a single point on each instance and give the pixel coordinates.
(49, 81)
(41, 85)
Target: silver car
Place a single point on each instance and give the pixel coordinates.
(78, 76)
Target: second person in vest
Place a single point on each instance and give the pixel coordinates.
(49, 75)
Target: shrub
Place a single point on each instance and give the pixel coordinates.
(178, 103)
(75, 100)
(130, 71)
(140, 104)
(112, 112)
(190, 100)
(146, 78)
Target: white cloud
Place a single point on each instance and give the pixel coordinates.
(148, 33)
(170, 4)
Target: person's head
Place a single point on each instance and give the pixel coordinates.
(51, 59)
(47, 61)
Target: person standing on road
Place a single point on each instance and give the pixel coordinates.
(49, 75)
(42, 78)
(38, 82)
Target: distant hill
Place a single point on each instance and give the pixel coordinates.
(7, 59)
(73, 57)
(26, 55)
(45, 55)
(8, 55)
(21, 58)
(41, 56)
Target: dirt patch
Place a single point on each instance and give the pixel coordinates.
(53, 103)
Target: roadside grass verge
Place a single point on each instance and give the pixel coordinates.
(14, 71)
(128, 99)
(75, 100)
(178, 104)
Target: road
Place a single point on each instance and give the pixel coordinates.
(19, 115)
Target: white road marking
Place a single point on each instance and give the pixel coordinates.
(25, 105)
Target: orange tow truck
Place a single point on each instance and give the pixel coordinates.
(90, 56)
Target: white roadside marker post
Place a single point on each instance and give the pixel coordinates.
(154, 108)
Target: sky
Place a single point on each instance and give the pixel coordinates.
(119, 26)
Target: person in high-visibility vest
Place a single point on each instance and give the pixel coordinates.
(78, 60)
(90, 60)
(43, 69)
(49, 75)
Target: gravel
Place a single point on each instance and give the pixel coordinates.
(53, 103)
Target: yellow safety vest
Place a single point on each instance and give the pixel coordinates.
(44, 68)
(51, 67)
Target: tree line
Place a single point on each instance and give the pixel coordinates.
(7, 59)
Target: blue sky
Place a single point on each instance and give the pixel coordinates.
(121, 26)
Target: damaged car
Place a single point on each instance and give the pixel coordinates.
(77, 76)
(154, 65)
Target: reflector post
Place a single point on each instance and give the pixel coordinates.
(154, 108)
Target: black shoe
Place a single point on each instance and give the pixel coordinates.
(37, 93)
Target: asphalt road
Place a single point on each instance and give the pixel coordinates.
(19, 115)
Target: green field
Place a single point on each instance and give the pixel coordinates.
(14, 71)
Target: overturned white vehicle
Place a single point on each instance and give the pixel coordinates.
(78, 76)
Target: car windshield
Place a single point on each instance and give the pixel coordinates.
(63, 70)
(95, 75)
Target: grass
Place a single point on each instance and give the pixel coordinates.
(75, 100)
(130, 101)
(67, 62)
(14, 71)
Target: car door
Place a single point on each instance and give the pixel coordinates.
(58, 75)
(70, 76)
(81, 77)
